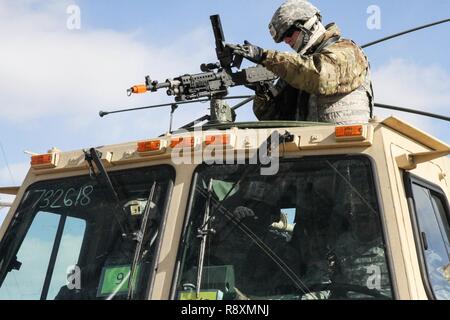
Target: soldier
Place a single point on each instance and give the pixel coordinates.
(311, 234)
(243, 238)
(326, 79)
(359, 268)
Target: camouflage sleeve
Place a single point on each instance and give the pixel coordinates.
(338, 69)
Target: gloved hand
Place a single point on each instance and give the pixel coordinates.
(241, 213)
(249, 51)
(262, 89)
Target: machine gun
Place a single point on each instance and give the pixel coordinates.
(214, 80)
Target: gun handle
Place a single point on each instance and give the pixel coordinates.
(237, 61)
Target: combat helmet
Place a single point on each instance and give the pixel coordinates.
(289, 14)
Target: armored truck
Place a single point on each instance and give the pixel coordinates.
(238, 211)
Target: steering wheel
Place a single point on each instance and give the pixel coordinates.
(189, 286)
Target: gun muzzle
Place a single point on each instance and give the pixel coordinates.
(141, 88)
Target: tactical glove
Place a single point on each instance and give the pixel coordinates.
(241, 213)
(251, 52)
(265, 89)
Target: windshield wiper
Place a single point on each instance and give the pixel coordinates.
(203, 233)
(140, 238)
(94, 156)
(282, 139)
(258, 242)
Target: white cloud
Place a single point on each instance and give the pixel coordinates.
(46, 69)
(406, 84)
(49, 73)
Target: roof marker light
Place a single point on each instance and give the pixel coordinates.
(221, 139)
(151, 147)
(349, 131)
(353, 132)
(44, 161)
(182, 142)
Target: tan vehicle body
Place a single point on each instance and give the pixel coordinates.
(392, 145)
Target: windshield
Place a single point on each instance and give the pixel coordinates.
(312, 231)
(66, 239)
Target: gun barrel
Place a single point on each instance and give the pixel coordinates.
(140, 88)
(143, 88)
(224, 54)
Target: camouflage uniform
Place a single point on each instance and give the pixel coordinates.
(311, 235)
(256, 273)
(325, 84)
(358, 263)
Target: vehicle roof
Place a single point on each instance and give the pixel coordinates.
(415, 134)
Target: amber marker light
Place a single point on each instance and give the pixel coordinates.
(182, 142)
(349, 131)
(147, 146)
(47, 160)
(223, 139)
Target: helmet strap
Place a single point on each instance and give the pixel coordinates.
(315, 30)
(305, 32)
(300, 41)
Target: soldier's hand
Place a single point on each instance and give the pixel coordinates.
(241, 213)
(257, 87)
(265, 89)
(249, 51)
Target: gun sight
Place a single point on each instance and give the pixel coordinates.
(207, 67)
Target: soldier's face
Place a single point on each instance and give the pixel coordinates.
(292, 38)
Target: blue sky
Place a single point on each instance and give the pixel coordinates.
(53, 81)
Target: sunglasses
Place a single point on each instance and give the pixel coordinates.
(289, 33)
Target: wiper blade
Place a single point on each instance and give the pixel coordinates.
(93, 156)
(259, 243)
(140, 239)
(267, 144)
(203, 233)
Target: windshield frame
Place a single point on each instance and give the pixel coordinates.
(377, 197)
(21, 222)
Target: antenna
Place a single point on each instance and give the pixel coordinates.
(404, 32)
(414, 111)
(104, 113)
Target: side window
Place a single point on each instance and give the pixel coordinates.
(28, 279)
(68, 254)
(434, 230)
(444, 221)
(32, 259)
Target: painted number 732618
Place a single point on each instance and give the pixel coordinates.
(58, 198)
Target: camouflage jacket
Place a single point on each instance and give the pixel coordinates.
(362, 264)
(331, 85)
